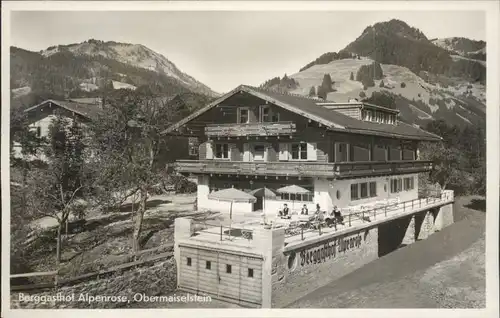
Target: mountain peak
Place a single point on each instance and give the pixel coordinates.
(395, 27)
(136, 55)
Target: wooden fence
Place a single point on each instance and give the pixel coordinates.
(57, 282)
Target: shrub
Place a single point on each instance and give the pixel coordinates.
(362, 94)
(403, 85)
(382, 84)
(180, 184)
(352, 76)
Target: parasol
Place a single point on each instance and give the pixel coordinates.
(293, 189)
(231, 195)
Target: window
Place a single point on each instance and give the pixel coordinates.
(228, 268)
(408, 184)
(243, 115)
(265, 114)
(193, 150)
(341, 152)
(373, 189)
(299, 151)
(208, 265)
(221, 151)
(369, 115)
(194, 145)
(188, 261)
(364, 190)
(275, 117)
(354, 191)
(396, 185)
(258, 152)
(250, 272)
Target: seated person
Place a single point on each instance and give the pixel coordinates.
(320, 216)
(304, 210)
(338, 216)
(285, 210)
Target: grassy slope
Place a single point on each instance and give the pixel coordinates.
(419, 93)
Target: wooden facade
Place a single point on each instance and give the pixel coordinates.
(303, 169)
(244, 134)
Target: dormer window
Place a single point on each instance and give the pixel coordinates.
(378, 116)
(369, 115)
(243, 115)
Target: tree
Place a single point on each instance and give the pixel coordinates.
(327, 83)
(312, 91)
(54, 192)
(128, 147)
(322, 93)
(448, 166)
(352, 76)
(382, 99)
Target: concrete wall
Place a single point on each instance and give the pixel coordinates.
(296, 272)
(300, 271)
(224, 207)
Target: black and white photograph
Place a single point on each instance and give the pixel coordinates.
(235, 157)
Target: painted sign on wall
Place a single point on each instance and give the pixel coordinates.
(329, 250)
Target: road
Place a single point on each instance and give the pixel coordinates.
(444, 271)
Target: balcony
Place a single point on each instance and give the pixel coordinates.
(376, 168)
(302, 169)
(250, 129)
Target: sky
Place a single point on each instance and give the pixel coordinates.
(224, 49)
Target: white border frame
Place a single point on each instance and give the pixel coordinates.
(491, 9)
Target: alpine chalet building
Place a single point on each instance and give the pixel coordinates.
(345, 154)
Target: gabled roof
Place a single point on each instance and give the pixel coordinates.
(309, 108)
(87, 110)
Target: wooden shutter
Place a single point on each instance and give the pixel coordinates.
(210, 153)
(246, 152)
(233, 152)
(312, 151)
(283, 152)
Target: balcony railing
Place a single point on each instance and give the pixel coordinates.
(303, 169)
(250, 129)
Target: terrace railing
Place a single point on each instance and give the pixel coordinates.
(224, 232)
(368, 215)
(250, 129)
(303, 169)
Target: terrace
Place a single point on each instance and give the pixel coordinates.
(299, 232)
